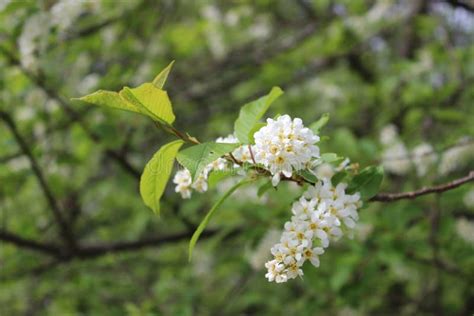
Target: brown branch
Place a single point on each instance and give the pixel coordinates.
(19, 241)
(390, 197)
(64, 229)
(93, 251)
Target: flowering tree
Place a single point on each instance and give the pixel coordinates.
(246, 184)
(280, 149)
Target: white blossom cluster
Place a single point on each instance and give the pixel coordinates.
(285, 145)
(323, 214)
(183, 180)
(282, 146)
(185, 185)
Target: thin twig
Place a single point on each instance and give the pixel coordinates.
(390, 197)
(251, 154)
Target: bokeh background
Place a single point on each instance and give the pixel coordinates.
(396, 76)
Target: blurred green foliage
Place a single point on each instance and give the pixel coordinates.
(367, 63)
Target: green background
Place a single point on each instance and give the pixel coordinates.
(367, 63)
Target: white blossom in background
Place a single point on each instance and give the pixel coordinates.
(395, 155)
(88, 84)
(395, 159)
(202, 263)
(363, 231)
(18, 164)
(388, 135)
(323, 214)
(465, 230)
(456, 157)
(424, 158)
(468, 199)
(65, 12)
(33, 39)
(260, 255)
(285, 145)
(4, 4)
(215, 39)
(261, 29)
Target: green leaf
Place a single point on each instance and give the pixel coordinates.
(251, 113)
(331, 157)
(367, 182)
(160, 80)
(308, 176)
(197, 157)
(109, 99)
(145, 99)
(324, 138)
(316, 126)
(150, 101)
(255, 129)
(264, 188)
(338, 177)
(206, 219)
(156, 174)
(217, 176)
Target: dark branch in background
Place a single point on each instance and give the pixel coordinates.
(29, 244)
(64, 228)
(307, 8)
(75, 116)
(123, 246)
(390, 197)
(461, 4)
(97, 250)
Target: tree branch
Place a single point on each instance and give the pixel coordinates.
(48, 193)
(121, 246)
(390, 197)
(16, 240)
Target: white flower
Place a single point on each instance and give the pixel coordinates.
(242, 153)
(284, 145)
(200, 183)
(318, 218)
(313, 255)
(183, 181)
